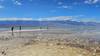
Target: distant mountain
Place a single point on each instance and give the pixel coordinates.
(46, 23)
(63, 24)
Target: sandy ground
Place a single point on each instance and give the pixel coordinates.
(29, 44)
(43, 49)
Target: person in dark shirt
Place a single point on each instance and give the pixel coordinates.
(20, 28)
(12, 28)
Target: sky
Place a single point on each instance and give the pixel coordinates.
(78, 10)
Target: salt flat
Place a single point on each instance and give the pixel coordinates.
(44, 43)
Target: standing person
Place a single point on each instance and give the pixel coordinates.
(47, 27)
(20, 28)
(20, 31)
(12, 28)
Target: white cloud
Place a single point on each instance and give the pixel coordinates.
(75, 3)
(1, 0)
(40, 19)
(1, 6)
(30, 0)
(87, 2)
(95, 1)
(60, 3)
(88, 20)
(57, 18)
(64, 6)
(97, 6)
(91, 1)
(16, 2)
(2, 19)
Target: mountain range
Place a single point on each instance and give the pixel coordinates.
(63, 24)
(46, 23)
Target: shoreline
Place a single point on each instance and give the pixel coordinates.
(24, 30)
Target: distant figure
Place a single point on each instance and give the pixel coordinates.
(40, 27)
(47, 27)
(12, 28)
(20, 28)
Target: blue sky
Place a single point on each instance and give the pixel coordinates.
(79, 10)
